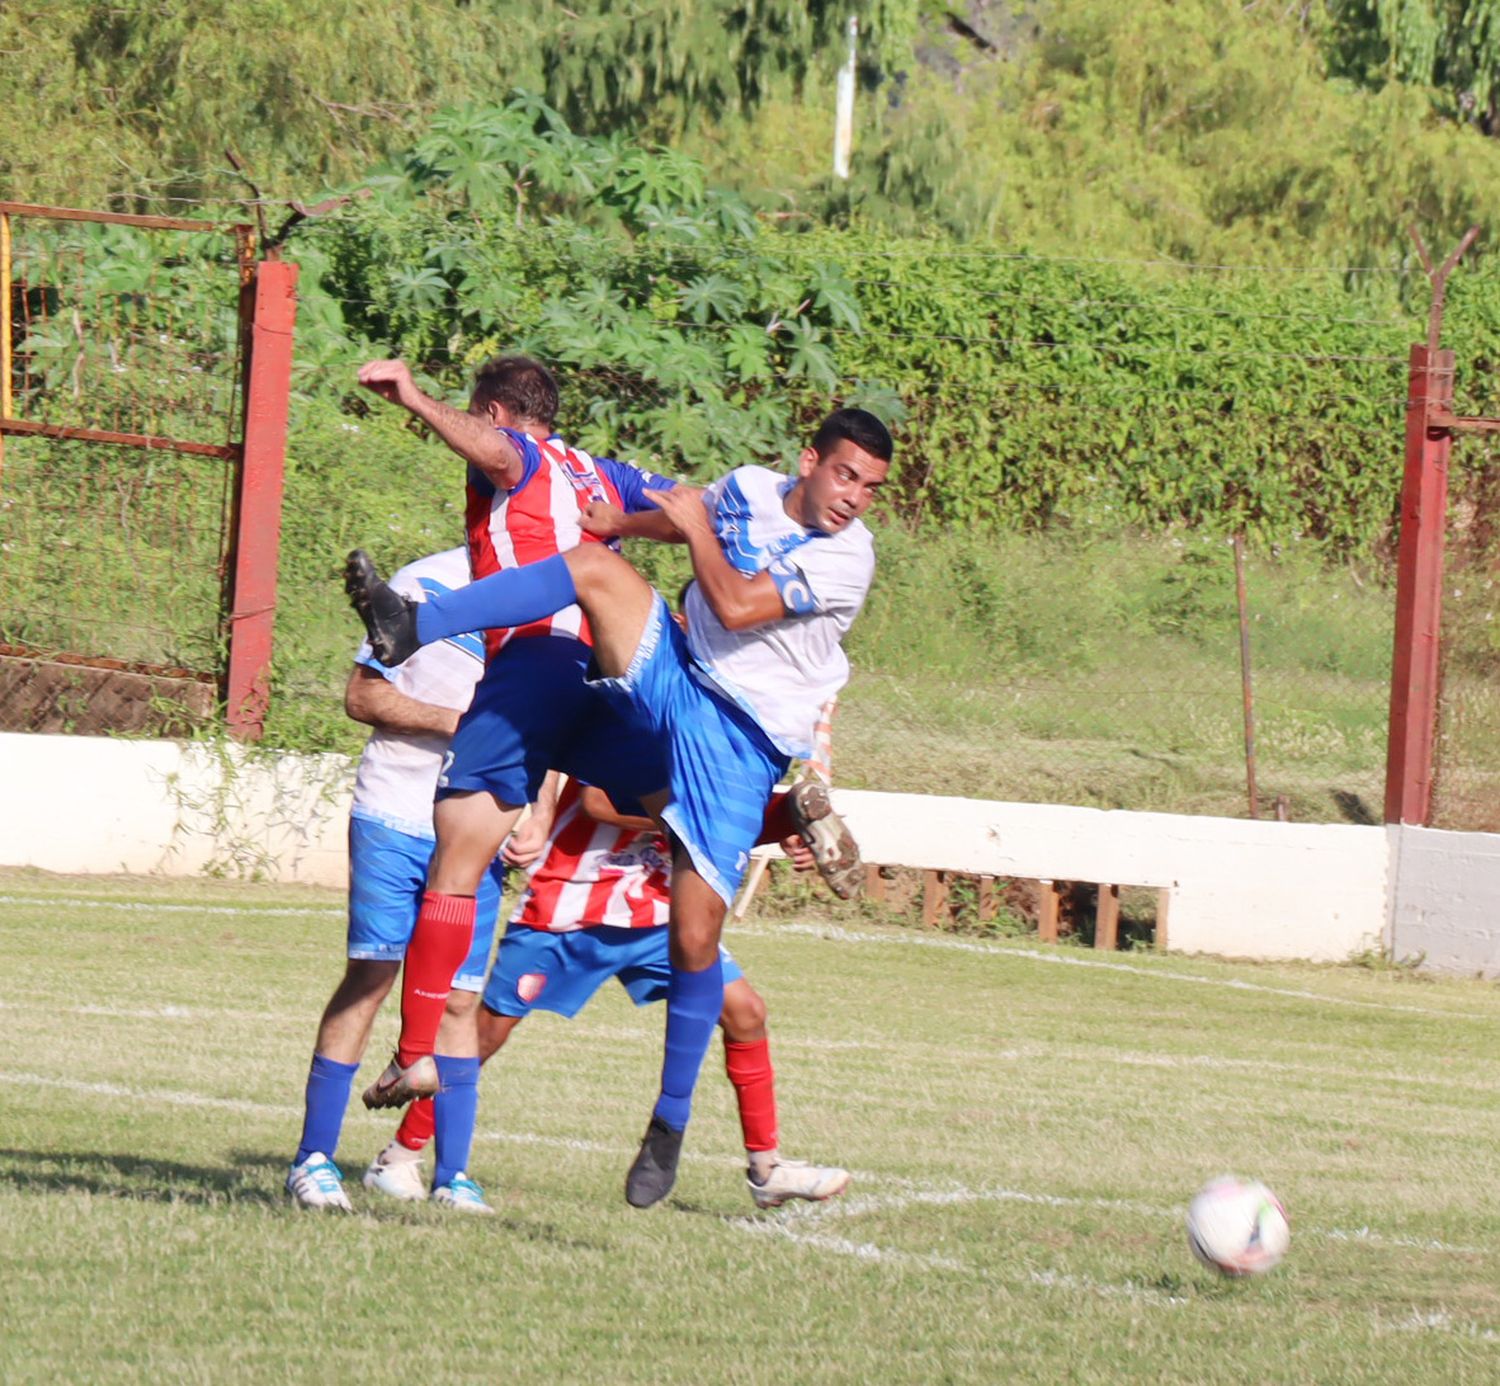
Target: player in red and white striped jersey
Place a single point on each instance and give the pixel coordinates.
(532, 710)
(596, 907)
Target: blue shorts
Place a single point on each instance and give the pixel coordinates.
(723, 766)
(533, 711)
(537, 970)
(387, 875)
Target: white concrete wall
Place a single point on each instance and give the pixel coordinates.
(101, 804)
(1267, 890)
(1239, 888)
(1445, 900)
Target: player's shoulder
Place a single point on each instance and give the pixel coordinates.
(761, 478)
(434, 573)
(850, 552)
(858, 538)
(626, 474)
(752, 488)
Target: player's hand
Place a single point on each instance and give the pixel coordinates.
(525, 844)
(798, 853)
(683, 505)
(391, 380)
(603, 520)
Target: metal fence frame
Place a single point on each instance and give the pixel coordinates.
(267, 318)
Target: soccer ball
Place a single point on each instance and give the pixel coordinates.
(1237, 1226)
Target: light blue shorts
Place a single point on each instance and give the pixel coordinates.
(537, 970)
(387, 875)
(723, 766)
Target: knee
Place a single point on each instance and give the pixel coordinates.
(744, 1012)
(589, 564)
(368, 980)
(693, 949)
(461, 1004)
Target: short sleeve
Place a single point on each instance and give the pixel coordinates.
(531, 455)
(823, 577)
(632, 482)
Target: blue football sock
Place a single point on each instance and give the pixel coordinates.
(454, 1110)
(694, 1003)
(511, 598)
(328, 1083)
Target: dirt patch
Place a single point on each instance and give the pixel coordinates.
(42, 695)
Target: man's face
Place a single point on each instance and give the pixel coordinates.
(840, 487)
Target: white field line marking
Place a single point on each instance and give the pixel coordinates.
(842, 1246)
(907, 1193)
(194, 1015)
(104, 902)
(198, 1015)
(834, 933)
(1127, 1059)
(1438, 1321)
(882, 1255)
(1028, 1053)
(862, 1204)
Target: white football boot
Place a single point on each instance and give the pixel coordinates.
(318, 1183)
(798, 1179)
(463, 1195)
(396, 1176)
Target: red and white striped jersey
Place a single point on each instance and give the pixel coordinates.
(540, 517)
(593, 873)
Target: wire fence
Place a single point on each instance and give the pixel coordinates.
(1128, 693)
(121, 393)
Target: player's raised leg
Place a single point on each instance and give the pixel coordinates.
(616, 599)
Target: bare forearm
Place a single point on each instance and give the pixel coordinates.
(649, 524)
(472, 438)
(600, 807)
(371, 699)
(738, 602)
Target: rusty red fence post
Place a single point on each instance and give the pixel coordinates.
(1419, 582)
(256, 532)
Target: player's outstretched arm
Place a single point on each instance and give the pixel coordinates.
(739, 602)
(371, 698)
(606, 521)
(471, 437)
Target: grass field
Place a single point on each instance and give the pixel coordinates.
(1025, 1128)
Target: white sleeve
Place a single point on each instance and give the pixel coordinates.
(824, 577)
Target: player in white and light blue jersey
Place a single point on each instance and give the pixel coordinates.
(413, 709)
(781, 567)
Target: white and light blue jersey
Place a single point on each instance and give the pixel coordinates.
(398, 771)
(781, 672)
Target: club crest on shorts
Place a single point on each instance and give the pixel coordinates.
(530, 986)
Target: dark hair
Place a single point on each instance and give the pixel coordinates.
(860, 427)
(523, 386)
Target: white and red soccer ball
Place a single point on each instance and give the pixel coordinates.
(1238, 1226)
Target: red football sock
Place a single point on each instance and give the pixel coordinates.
(749, 1069)
(778, 823)
(417, 1125)
(439, 944)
